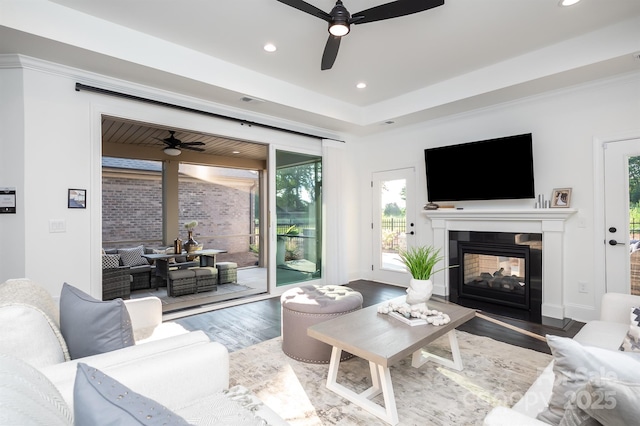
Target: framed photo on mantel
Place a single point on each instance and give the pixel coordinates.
(561, 197)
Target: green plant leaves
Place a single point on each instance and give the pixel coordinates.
(420, 261)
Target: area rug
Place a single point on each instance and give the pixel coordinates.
(494, 373)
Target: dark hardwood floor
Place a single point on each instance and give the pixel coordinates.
(240, 326)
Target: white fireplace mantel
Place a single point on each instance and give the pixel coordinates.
(548, 222)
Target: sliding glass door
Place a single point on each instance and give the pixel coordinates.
(298, 194)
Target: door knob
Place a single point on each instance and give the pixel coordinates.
(613, 242)
(411, 233)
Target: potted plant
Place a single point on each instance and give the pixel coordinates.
(420, 262)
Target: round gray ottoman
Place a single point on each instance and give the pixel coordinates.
(308, 305)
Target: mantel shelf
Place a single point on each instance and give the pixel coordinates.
(501, 214)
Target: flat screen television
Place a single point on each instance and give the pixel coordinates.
(492, 169)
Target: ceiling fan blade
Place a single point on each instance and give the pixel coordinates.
(307, 8)
(163, 140)
(330, 52)
(393, 9)
(191, 143)
(192, 148)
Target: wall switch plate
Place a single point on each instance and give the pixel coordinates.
(56, 225)
(582, 287)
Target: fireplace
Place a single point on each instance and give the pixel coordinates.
(548, 222)
(499, 272)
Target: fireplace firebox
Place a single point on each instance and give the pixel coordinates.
(499, 272)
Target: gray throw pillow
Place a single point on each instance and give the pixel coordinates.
(91, 326)
(574, 365)
(99, 399)
(133, 256)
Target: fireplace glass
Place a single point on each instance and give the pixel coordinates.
(500, 273)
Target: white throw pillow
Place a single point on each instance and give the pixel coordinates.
(613, 402)
(574, 365)
(27, 397)
(29, 334)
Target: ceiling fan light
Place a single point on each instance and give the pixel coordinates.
(339, 29)
(172, 151)
(339, 25)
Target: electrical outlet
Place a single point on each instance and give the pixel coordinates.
(582, 287)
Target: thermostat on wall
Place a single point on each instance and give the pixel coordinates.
(7, 200)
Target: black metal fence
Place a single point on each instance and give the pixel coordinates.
(634, 230)
(392, 227)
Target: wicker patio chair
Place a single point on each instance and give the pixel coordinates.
(116, 282)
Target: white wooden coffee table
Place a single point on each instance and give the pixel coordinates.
(383, 340)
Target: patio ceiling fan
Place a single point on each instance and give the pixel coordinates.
(340, 20)
(174, 145)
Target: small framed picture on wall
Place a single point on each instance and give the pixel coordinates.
(561, 197)
(77, 199)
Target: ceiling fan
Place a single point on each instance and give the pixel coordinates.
(340, 20)
(174, 144)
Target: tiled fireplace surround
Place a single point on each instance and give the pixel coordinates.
(548, 222)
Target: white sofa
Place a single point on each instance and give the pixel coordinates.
(183, 371)
(608, 333)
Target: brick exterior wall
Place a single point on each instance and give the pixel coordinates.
(132, 211)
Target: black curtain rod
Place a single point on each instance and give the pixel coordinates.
(80, 86)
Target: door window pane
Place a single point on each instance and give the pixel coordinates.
(393, 223)
(299, 217)
(634, 223)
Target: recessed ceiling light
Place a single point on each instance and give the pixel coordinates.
(269, 47)
(235, 152)
(361, 85)
(567, 2)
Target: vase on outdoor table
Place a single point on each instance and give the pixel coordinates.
(190, 245)
(419, 291)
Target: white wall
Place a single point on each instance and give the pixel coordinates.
(57, 146)
(12, 173)
(564, 125)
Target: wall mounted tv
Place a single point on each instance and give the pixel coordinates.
(492, 169)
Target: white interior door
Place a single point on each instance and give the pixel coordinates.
(393, 223)
(617, 156)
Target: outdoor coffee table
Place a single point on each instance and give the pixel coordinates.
(383, 341)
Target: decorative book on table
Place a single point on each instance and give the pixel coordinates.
(411, 321)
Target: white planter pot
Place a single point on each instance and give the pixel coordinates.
(419, 291)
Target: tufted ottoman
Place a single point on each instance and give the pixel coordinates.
(305, 306)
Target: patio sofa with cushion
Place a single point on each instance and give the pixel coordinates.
(141, 269)
(92, 362)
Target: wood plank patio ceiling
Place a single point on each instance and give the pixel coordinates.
(129, 132)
